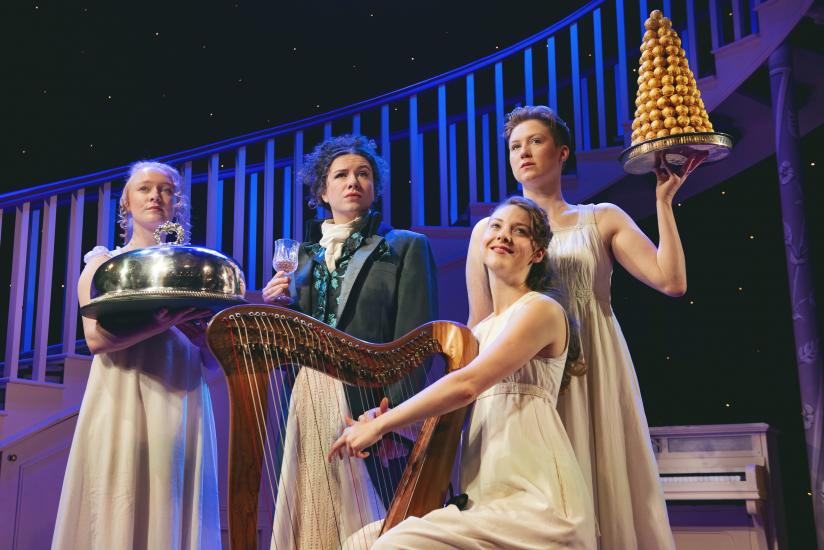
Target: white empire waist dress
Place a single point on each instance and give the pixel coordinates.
(142, 470)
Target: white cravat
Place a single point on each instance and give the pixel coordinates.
(334, 235)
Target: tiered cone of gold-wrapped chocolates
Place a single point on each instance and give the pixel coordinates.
(668, 101)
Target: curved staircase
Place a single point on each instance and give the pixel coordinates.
(455, 165)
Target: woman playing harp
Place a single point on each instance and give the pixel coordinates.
(524, 486)
(372, 282)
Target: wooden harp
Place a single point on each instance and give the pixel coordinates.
(250, 341)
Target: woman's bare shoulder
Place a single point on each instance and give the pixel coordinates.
(544, 308)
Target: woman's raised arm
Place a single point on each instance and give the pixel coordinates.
(477, 280)
(538, 325)
(663, 267)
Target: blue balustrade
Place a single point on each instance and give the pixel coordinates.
(265, 201)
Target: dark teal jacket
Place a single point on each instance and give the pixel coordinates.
(382, 297)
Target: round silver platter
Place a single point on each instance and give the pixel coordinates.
(640, 158)
(169, 276)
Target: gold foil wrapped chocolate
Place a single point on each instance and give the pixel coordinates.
(670, 114)
(666, 79)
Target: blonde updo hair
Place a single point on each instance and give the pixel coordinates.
(180, 210)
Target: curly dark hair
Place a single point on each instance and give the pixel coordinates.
(541, 278)
(316, 164)
(556, 125)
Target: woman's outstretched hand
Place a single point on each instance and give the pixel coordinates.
(669, 181)
(359, 434)
(388, 448)
(372, 414)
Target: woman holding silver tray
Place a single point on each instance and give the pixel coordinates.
(142, 469)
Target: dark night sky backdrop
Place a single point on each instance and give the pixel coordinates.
(92, 85)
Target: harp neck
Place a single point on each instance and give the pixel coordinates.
(272, 335)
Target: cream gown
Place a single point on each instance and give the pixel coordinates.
(602, 411)
(526, 490)
(319, 504)
(142, 471)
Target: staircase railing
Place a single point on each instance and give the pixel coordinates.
(442, 138)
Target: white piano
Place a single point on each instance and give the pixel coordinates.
(722, 485)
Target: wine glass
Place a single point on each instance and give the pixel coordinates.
(286, 260)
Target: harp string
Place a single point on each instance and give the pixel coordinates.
(268, 343)
(276, 334)
(291, 500)
(271, 369)
(240, 339)
(360, 493)
(260, 412)
(383, 485)
(278, 392)
(261, 406)
(319, 398)
(329, 348)
(385, 489)
(329, 401)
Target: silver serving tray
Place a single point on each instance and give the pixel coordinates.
(640, 158)
(170, 276)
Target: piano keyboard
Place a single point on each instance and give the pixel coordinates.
(721, 485)
(686, 478)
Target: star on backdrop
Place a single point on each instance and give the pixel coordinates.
(154, 78)
(94, 85)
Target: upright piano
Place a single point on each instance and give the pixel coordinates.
(722, 486)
